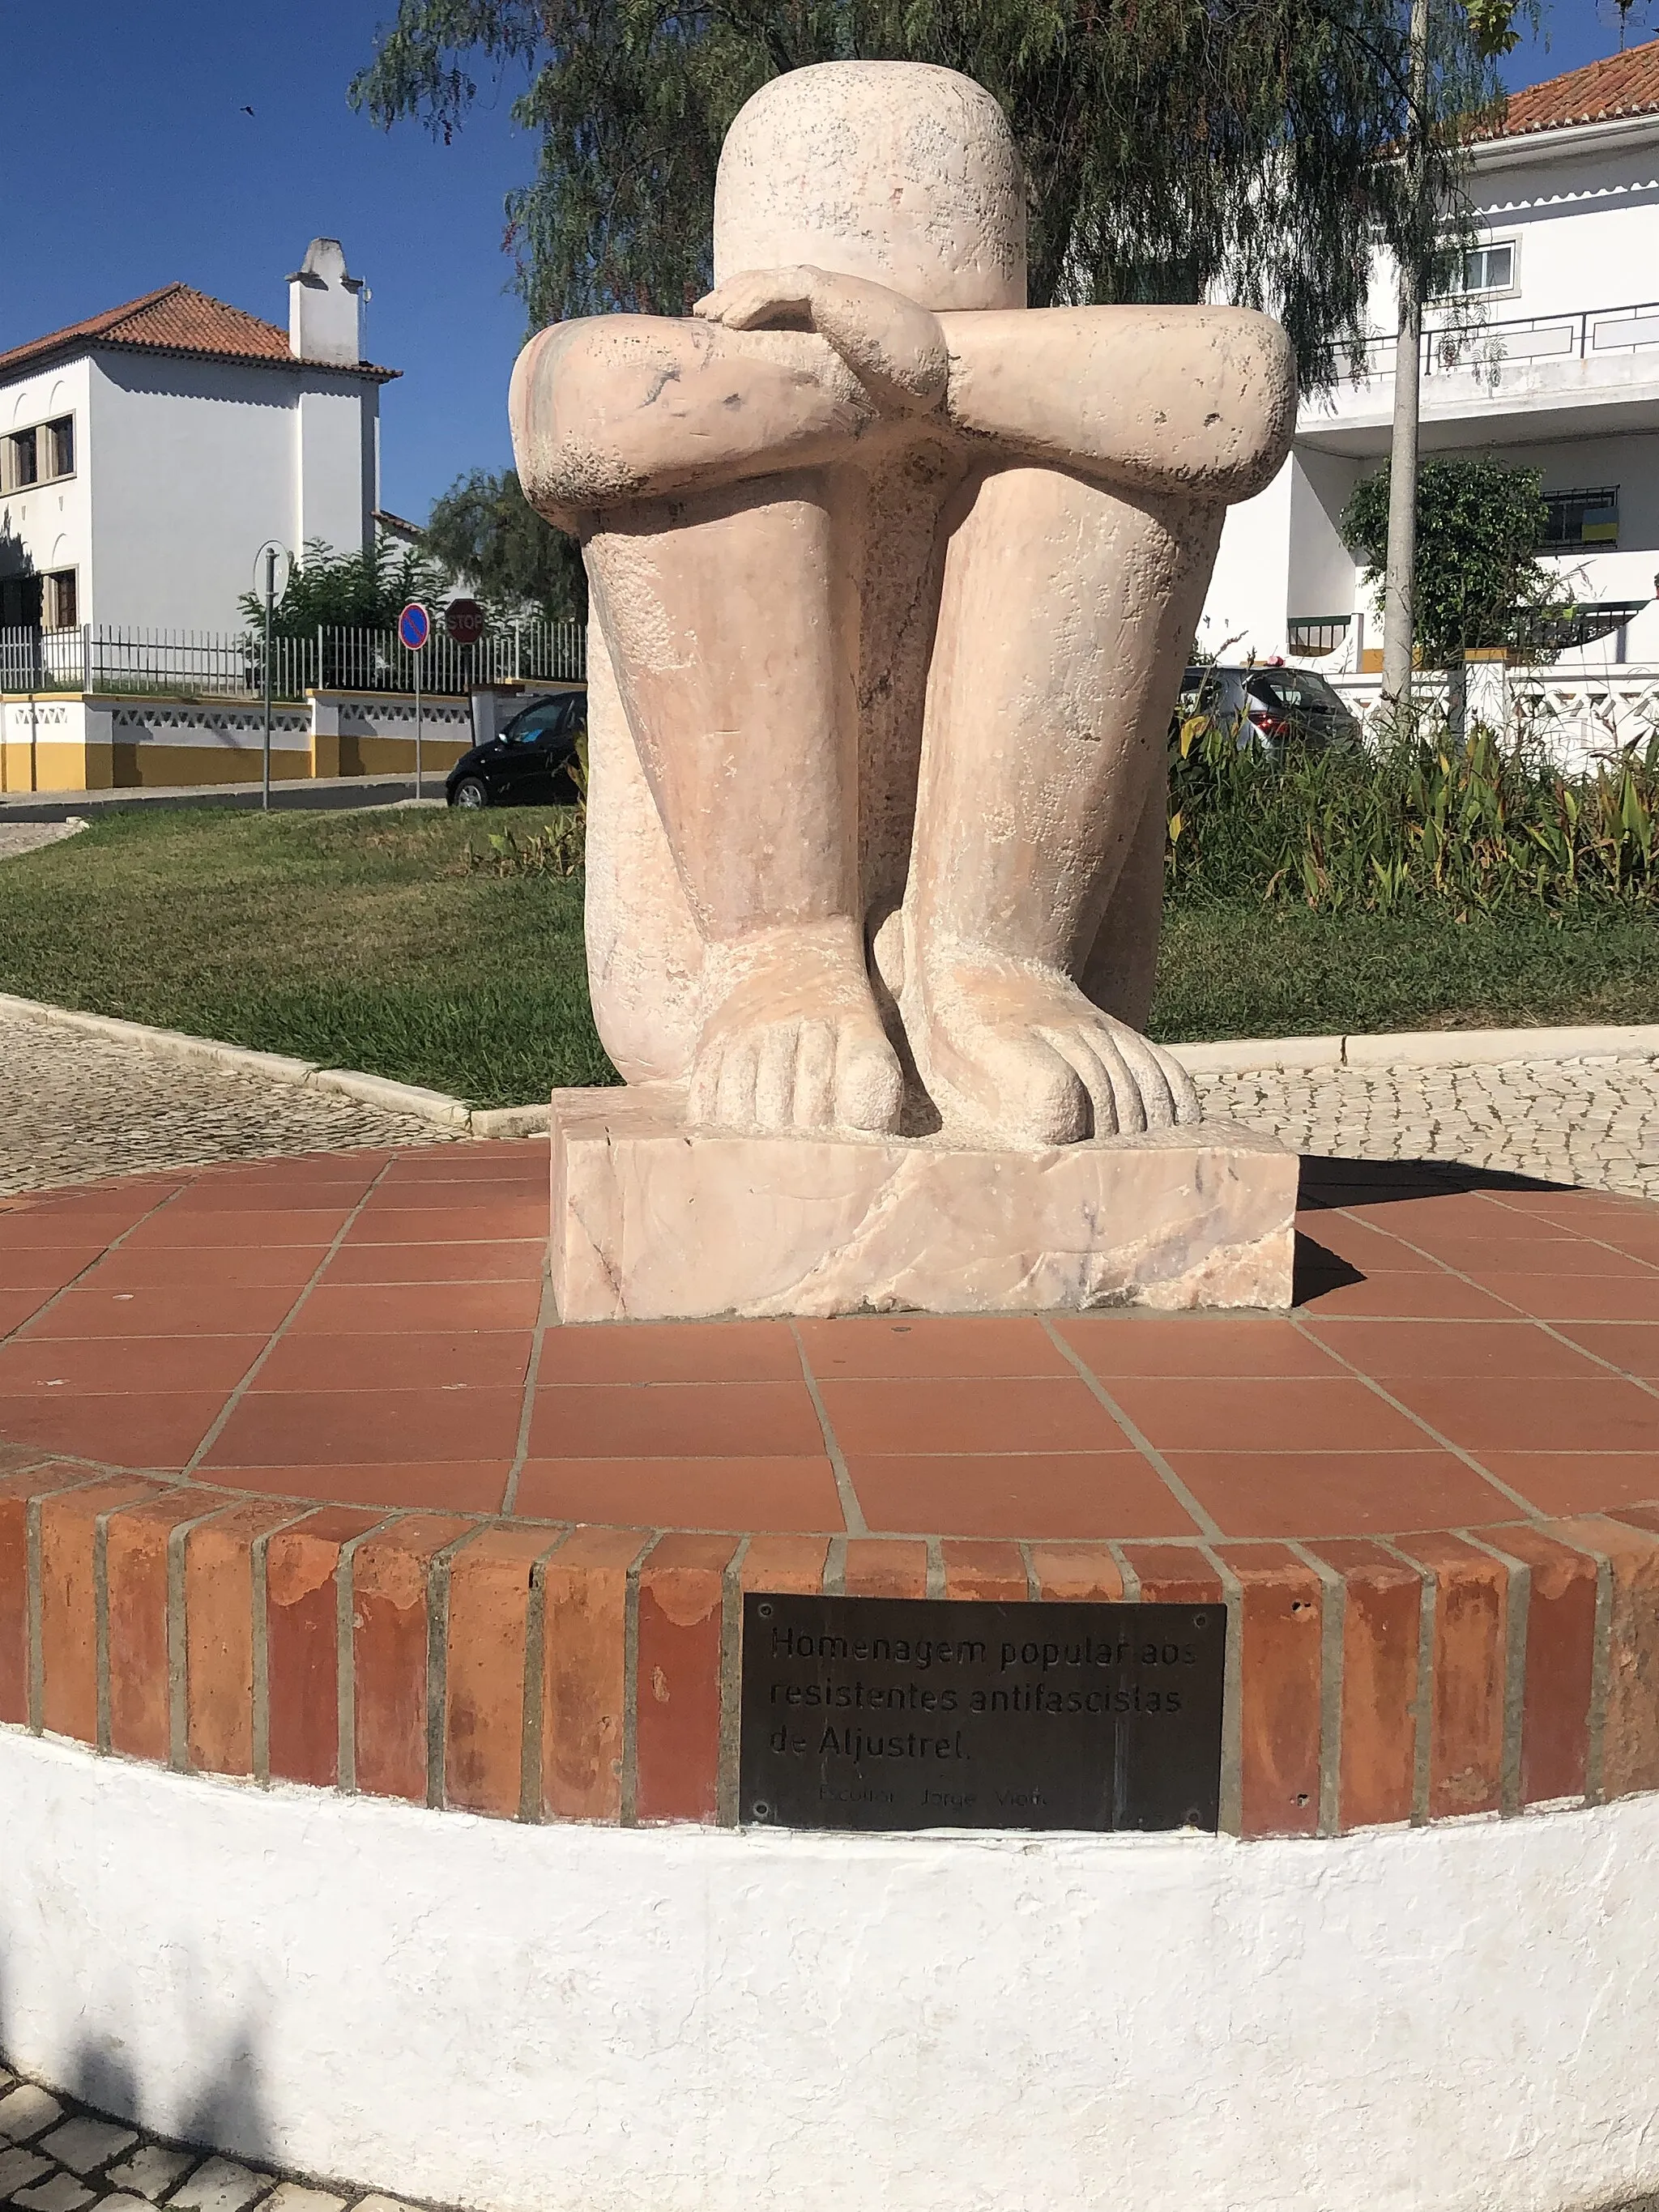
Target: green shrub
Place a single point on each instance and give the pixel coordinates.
(1476, 827)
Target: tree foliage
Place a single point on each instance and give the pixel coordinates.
(368, 590)
(1479, 581)
(1173, 148)
(485, 529)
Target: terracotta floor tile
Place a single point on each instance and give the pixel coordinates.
(1577, 1481)
(930, 1345)
(491, 1223)
(359, 1160)
(1515, 1414)
(16, 1307)
(512, 1187)
(1567, 1297)
(45, 1267)
(675, 1420)
(672, 1352)
(1370, 1250)
(776, 1493)
(283, 1266)
(445, 1262)
(337, 1428)
(1046, 1413)
(332, 1197)
(1425, 1348)
(46, 1228)
(383, 1360)
(355, 1310)
(1426, 1297)
(36, 1365)
(226, 1227)
(1640, 1239)
(460, 1167)
(1575, 1208)
(1195, 1345)
(1538, 1255)
(1310, 1493)
(133, 1196)
(158, 1429)
(1036, 1494)
(1292, 1414)
(1458, 1215)
(459, 1486)
(1633, 1346)
(162, 1311)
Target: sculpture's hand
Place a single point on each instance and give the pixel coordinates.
(896, 348)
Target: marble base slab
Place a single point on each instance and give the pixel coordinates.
(651, 1222)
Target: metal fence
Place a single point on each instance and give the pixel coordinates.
(224, 665)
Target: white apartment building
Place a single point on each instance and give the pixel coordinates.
(1560, 372)
(147, 453)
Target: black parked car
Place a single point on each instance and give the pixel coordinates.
(530, 763)
(1266, 704)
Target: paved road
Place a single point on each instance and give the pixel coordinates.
(74, 1107)
(288, 793)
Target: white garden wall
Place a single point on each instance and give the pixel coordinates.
(568, 2019)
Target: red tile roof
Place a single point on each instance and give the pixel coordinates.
(1622, 84)
(174, 320)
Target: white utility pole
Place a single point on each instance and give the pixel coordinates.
(271, 604)
(1399, 600)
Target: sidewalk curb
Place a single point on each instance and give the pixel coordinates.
(1421, 1049)
(1228, 1057)
(380, 1090)
(395, 1097)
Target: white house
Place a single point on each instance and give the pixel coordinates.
(1560, 372)
(147, 453)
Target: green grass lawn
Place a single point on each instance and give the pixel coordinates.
(359, 940)
(364, 940)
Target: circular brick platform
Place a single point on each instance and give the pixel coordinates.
(306, 1484)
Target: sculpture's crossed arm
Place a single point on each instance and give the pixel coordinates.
(1195, 400)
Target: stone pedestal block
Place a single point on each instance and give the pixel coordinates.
(652, 1221)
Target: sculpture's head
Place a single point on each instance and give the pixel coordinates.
(893, 171)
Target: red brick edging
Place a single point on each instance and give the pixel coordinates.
(590, 1674)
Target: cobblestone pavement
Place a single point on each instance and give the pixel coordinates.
(17, 837)
(57, 2155)
(1594, 1122)
(76, 1107)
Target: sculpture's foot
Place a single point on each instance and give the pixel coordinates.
(795, 1041)
(1012, 1049)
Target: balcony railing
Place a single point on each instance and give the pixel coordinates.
(1487, 349)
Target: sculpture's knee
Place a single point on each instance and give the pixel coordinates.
(581, 401)
(1251, 372)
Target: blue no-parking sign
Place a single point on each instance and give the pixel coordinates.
(414, 626)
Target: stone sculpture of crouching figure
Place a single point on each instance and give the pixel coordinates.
(893, 579)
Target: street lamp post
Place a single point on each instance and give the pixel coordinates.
(270, 607)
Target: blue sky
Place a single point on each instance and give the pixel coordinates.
(126, 162)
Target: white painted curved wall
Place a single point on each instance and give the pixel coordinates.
(570, 2020)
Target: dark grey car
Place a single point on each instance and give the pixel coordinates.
(1266, 704)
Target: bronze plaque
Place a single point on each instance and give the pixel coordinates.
(874, 1712)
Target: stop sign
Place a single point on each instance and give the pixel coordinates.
(464, 621)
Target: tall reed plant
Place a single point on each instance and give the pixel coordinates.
(1415, 821)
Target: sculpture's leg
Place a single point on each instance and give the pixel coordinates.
(1066, 612)
(726, 617)
(1119, 973)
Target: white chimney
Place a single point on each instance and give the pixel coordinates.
(326, 307)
